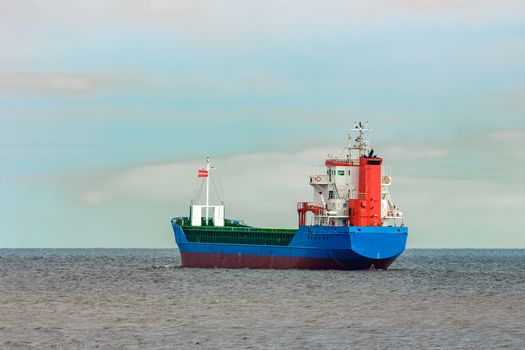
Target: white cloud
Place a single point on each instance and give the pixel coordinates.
(469, 11)
(263, 189)
(255, 186)
(244, 19)
(279, 12)
(509, 137)
(59, 82)
(407, 152)
(65, 82)
(451, 213)
(247, 79)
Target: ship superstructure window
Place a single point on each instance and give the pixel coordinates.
(341, 172)
(331, 195)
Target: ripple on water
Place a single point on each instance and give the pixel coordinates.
(143, 298)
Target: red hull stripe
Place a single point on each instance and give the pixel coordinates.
(235, 261)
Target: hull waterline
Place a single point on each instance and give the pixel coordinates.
(237, 261)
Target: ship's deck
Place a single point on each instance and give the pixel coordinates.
(235, 233)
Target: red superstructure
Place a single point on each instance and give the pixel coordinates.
(352, 189)
(366, 209)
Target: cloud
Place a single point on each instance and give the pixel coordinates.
(442, 208)
(236, 19)
(508, 137)
(227, 20)
(57, 82)
(64, 82)
(304, 10)
(470, 11)
(275, 171)
(461, 213)
(407, 152)
(254, 186)
(179, 8)
(96, 197)
(247, 80)
(263, 174)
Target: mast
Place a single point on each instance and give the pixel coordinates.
(207, 188)
(217, 213)
(361, 144)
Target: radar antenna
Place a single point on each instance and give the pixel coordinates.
(360, 144)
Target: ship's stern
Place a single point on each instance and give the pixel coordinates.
(381, 245)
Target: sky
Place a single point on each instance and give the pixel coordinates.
(108, 109)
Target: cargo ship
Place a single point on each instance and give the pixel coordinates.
(351, 223)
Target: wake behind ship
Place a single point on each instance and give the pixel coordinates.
(351, 223)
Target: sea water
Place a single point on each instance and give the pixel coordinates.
(143, 299)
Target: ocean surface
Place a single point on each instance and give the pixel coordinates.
(142, 299)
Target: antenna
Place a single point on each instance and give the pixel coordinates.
(362, 145)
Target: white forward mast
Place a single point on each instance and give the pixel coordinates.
(217, 216)
(207, 188)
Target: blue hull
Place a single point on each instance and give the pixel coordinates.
(313, 247)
